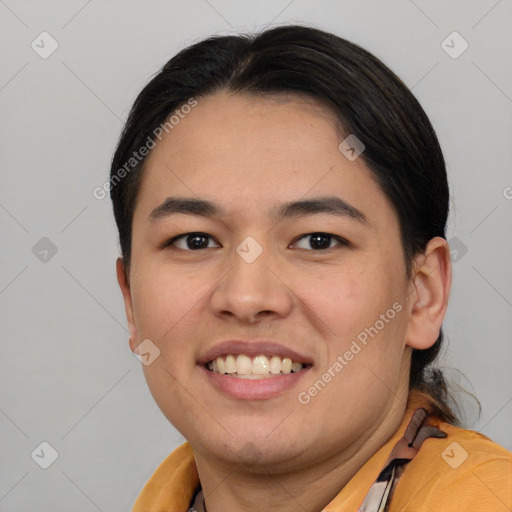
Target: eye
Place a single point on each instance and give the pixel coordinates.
(190, 241)
(321, 241)
(196, 241)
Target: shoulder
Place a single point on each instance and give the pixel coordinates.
(172, 484)
(179, 459)
(465, 471)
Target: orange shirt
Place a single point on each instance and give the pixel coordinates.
(463, 472)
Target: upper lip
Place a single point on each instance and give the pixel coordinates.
(253, 349)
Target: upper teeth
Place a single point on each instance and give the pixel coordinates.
(260, 365)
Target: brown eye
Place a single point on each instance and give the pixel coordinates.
(190, 241)
(321, 241)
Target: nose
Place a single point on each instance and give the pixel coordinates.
(252, 292)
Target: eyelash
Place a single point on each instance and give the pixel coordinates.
(342, 241)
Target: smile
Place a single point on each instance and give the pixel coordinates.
(260, 367)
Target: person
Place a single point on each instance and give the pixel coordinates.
(281, 200)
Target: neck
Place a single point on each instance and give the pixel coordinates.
(306, 487)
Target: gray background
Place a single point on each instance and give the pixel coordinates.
(68, 376)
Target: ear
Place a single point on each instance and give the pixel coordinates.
(428, 302)
(124, 284)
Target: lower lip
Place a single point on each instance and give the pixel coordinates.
(254, 389)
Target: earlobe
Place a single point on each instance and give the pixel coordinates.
(431, 290)
(122, 279)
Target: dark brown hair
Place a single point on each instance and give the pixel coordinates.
(370, 101)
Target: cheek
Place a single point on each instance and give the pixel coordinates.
(166, 308)
(343, 300)
(163, 302)
(169, 389)
(357, 311)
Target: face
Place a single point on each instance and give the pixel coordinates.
(321, 282)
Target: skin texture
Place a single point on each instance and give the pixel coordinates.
(250, 154)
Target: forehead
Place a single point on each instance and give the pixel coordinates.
(234, 126)
(251, 150)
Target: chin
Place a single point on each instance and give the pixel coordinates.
(263, 452)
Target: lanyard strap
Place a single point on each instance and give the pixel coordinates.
(380, 493)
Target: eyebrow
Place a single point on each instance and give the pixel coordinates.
(191, 206)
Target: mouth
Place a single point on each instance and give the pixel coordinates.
(263, 366)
